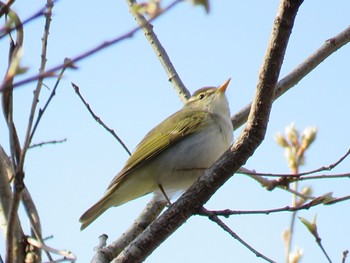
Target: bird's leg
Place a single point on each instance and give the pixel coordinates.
(164, 193)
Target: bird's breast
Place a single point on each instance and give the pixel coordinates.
(179, 166)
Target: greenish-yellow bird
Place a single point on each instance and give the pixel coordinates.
(173, 154)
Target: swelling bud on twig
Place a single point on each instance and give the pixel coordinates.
(308, 137)
(311, 226)
(292, 134)
(296, 255)
(204, 3)
(294, 145)
(281, 141)
(306, 191)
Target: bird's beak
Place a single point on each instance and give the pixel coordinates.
(224, 86)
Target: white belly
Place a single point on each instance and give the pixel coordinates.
(177, 168)
(190, 158)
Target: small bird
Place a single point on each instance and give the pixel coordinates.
(173, 154)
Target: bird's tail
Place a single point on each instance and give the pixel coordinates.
(94, 212)
(117, 194)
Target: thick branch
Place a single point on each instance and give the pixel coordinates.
(309, 64)
(6, 172)
(199, 193)
(147, 216)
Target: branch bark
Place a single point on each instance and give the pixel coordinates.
(328, 48)
(161, 53)
(147, 216)
(199, 193)
(7, 172)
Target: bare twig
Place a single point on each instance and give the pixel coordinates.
(13, 249)
(68, 255)
(53, 93)
(319, 243)
(228, 212)
(19, 173)
(147, 216)
(296, 176)
(90, 52)
(213, 217)
(6, 30)
(14, 243)
(312, 228)
(35, 101)
(98, 119)
(34, 220)
(315, 59)
(161, 53)
(338, 200)
(7, 172)
(235, 157)
(285, 179)
(4, 8)
(272, 184)
(102, 242)
(345, 255)
(46, 143)
(324, 176)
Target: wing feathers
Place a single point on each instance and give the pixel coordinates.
(169, 132)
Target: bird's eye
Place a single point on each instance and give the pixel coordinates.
(201, 96)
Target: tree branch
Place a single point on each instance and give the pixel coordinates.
(161, 53)
(6, 172)
(213, 217)
(88, 53)
(328, 48)
(199, 193)
(15, 245)
(5, 30)
(98, 119)
(147, 216)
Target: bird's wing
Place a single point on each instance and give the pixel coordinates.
(171, 131)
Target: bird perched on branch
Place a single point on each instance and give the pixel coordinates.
(173, 154)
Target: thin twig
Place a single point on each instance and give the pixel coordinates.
(323, 176)
(10, 237)
(68, 255)
(5, 30)
(98, 119)
(42, 111)
(309, 64)
(14, 246)
(319, 243)
(40, 144)
(345, 255)
(213, 217)
(6, 174)
(161, 53)
(338, 200)
(272, 184)
(228, 212)
(90, 52)
(19, 174)
(34, 219)
(39, 85)
(296, 176)
(4, 9)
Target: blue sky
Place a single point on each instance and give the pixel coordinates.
(127, 87)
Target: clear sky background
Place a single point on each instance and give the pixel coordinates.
(127, 87)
